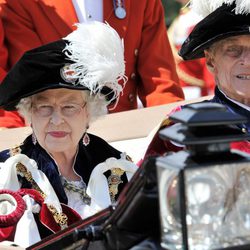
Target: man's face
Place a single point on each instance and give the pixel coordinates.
(229, 60)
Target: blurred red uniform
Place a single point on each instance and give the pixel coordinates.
(150, 65)
(194, 76)
(7, 119)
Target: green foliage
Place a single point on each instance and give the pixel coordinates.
(171, 8)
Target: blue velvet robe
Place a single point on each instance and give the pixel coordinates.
(232, 107)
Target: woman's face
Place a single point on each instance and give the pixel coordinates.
(59, 118)
(230, 63)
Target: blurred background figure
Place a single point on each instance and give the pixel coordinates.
(150, 66)
(7, 119)
(3, 53)
(194, 76)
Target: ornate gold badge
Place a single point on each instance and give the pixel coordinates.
(68, 74)
(113, 181)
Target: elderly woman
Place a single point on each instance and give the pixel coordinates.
(223, 38)
(59, 89)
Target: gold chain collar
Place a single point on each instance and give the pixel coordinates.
(82, 191)
(60, 218)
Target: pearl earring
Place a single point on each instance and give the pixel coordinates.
(34, 140)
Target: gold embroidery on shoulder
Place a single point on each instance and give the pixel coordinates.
(15, 150)
(165, 122)
(113, 181)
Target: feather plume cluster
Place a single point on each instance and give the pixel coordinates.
(98, 55)
(205, 7)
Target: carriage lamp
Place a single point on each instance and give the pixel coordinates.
(204, 190)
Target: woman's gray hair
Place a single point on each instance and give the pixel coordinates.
(96, 106)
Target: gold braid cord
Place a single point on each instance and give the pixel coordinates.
(113, 181)
(60, 218)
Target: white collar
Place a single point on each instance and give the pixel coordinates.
(238, 103)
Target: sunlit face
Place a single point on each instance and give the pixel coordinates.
(229, 60)
(59, 119)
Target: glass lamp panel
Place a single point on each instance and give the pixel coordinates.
(218, 206)
(169, 208)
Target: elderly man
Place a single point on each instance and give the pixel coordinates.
(223, 38)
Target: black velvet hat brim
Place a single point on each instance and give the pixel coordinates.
(220, 24)
(38, 70)
(10, 105)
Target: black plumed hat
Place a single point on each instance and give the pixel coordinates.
(90, 58)
(229, 19)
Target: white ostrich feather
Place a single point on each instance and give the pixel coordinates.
(242, 7)
(98, 55)
(205, 7)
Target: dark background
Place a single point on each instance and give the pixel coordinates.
(171, 8)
